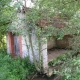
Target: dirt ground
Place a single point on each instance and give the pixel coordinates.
(52, 54)
(53, 77)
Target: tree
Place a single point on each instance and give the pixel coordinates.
(41, 16)
(5, 18)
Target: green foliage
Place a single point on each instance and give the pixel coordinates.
(3, 43)
(70, 69)
(63, 9)
(6, 13)
(68, 66)
(14, 68)
(76, 44)
(60, 59)
(66, 10)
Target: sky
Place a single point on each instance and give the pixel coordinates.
(28, 3)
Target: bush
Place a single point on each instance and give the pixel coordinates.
(14, 68)
(70, 69)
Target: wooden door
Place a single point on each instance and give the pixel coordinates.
(16, 46)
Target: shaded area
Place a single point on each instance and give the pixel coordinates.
(44, 77)
(54, 53)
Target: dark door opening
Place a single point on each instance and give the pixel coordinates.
(16, 46)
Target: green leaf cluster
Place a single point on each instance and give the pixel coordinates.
(70, 69)
(6, 13)
(14, 68)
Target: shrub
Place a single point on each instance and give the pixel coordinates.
(14, 68)
(70, 69)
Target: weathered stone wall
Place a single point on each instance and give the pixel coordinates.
(64, 43)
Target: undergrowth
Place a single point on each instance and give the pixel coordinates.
(15, 68)
(68, 67)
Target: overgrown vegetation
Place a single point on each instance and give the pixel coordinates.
(55, 18)
(15, 68)
(68, 11)
(70, 69)
(6, 13)
(61, 59)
